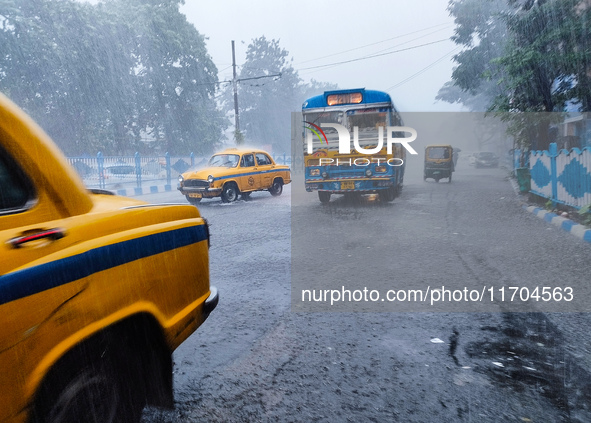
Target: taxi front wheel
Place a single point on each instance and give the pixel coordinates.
(193, 200)
(93, 394)
(230, 192)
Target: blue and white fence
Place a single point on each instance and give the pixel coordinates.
(129, 174)
(562, 176)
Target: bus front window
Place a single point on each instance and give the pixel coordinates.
(367, 120)
(324, 117)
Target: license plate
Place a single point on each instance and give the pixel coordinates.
(348, 185)
(195, 195)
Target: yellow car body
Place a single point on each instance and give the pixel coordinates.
(88, 281)
(233, 172)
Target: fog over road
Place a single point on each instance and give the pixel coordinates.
(257, 360)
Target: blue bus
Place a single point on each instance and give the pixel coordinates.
(365, 165)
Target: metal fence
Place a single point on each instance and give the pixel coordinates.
(562, 176)
(117, 172)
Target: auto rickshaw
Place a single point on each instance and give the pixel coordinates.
(439, 162)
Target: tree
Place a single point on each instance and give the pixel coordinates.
(176, 78)
(533, 55)
(480, 30)
(110, 76)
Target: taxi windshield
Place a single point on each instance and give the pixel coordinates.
(224, 160)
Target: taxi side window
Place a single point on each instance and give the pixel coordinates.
(15, 188)
(247, 160)
(263, 159)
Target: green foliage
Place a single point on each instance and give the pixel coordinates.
(549, 204)
(482, 34)
(522, 56)
(585, 213)
(119, 76)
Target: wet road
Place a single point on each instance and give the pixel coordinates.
(257, 360)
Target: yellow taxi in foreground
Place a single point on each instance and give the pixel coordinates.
(235, 172)
(96, 290)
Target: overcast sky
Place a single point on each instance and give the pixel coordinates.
(325, 32)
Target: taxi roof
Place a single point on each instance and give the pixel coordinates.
(241, 150)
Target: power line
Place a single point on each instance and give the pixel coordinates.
(374, 55)
(422, 70)
(377, 42)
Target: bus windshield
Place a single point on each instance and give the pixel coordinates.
(324, 117)
(368, 119)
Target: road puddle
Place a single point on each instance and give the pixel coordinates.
(527, 352)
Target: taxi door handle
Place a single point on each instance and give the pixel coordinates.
(51, 234)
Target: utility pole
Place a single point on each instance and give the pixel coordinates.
(237, 135)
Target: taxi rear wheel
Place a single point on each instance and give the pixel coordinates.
(277, 188)
(230, 192)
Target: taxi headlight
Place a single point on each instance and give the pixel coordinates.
(210, 179)
(181, 179)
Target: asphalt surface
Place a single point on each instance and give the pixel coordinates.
(263, 356)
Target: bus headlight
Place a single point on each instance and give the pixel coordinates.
(325, 175)
(368, 172)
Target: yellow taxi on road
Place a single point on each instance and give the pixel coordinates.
(96, 290)
(235, 172)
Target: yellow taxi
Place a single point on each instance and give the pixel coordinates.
(234, 172)
(96, 290)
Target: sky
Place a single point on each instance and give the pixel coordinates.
(409, 37)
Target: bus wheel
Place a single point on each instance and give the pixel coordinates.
(388, 194)
(324, 196)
